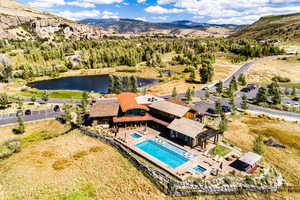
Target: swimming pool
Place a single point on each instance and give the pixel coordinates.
(200, 169)
(135, 135)
(162, 153)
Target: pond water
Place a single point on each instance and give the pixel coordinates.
(95, 83)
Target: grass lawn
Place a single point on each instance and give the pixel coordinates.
(65, 94)
(219, 150)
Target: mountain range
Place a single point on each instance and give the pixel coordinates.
(183, 27)
(20, 21)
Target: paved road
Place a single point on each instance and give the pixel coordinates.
(35, 115)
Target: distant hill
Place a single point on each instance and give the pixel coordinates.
(20, 21)
(273, 27)
(127, 26)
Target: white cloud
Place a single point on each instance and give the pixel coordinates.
(109, 15)
(141, 1)
(162, 2)
(46, 3)
(81, 4)
(161, 10)
(160, 18)
(104, 1)
(80, 15)
(140, 19)
(239, 11)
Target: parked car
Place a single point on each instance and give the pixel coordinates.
(205, 88)
(56, 108)
(296, 99)
(252, 86)
(211, 111)
(27, 112)
(226, 109)
(19, 113)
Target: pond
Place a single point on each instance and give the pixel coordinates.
(94, 83)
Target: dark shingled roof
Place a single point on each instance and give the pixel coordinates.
(104, 110)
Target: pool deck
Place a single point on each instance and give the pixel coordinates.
(184, 171)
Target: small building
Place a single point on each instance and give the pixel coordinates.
(103, 113)
(247, 162)
(169, 111)
(192, 133)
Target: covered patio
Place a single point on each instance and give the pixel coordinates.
(192, 133)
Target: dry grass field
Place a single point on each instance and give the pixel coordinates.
(244, 129)
(76, 167)
(263, 72)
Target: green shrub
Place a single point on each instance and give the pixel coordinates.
(61, 164)
(281, 79)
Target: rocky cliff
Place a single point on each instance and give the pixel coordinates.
(19, 21)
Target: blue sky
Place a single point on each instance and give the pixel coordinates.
(210, 11)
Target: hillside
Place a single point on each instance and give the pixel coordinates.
(184, 27)
(19, 21)
(273, 27)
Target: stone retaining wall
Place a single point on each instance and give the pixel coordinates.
(188, 187)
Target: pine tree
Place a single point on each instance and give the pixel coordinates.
(4, 100)
(244, 103)
(33, 98)
(232, 104)
(286, 91)
(193, 92)
(111, 84)
(134, 84)
(276, 99)
(127, 84)
(188, 95)
(67, 113)
(293, 91)
(220, 87)
(233, 84)
(242, 80)
(206, 72)
(21, 125)
(218, 107)
(79, 117)
(258, 145)
(223, 126)
(118, 85)
(261, 96)
(45, 96)
(174, 92)
(84, 102)
(193, 76)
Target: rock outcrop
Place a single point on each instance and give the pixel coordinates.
(19, 21)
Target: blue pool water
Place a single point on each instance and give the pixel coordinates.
(200, 169)
(162, 153)
(135, 135)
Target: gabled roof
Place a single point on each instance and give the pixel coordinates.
(250, 158)
(104, 110)
(127, 102)
(187, 127)
(171, 108)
